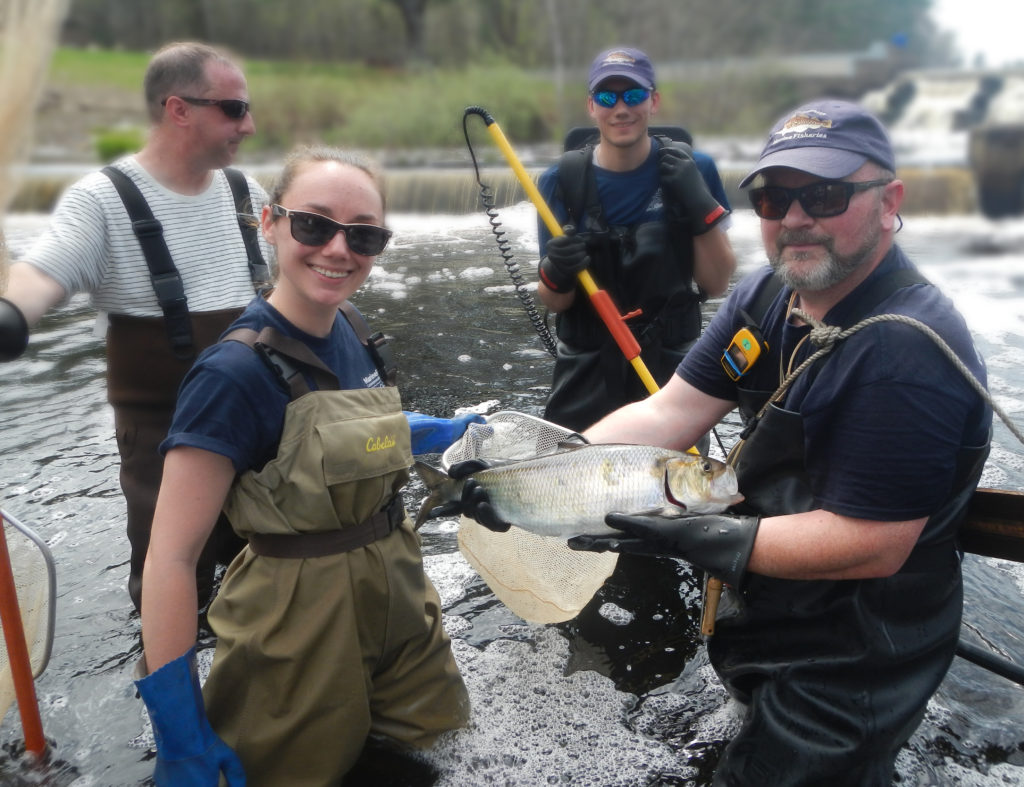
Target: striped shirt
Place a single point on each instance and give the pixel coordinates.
(90, 246)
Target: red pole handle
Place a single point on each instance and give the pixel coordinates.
(17, 654)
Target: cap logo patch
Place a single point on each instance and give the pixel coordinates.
(803, 125)
(618, 58)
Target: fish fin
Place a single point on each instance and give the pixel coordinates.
(569, 445)
(443, 492)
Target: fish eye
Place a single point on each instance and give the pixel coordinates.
(705, 465)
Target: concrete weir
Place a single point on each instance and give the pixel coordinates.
(938, 190)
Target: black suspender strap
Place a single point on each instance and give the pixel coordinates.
(578, 188)
(167, 284)
(376, 345)
(247, 222)
(170, 292)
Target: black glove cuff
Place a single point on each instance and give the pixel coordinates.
(699, 225)
(555, 279)
(727, 554)
(13, 331)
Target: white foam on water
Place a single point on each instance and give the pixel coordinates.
(531, 724)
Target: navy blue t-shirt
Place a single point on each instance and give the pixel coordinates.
(627, 198)
(883, 420)
(231, 402)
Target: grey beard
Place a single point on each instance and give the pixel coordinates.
(833, 268)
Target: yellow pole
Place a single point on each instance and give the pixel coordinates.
(600, 298)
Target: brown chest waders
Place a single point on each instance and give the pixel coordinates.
(328, 628)
(143, 376)
(146, 361)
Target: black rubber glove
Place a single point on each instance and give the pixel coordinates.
(567, 256)
(688, 194)
(718, 543)
(13, 331)
(475, 502)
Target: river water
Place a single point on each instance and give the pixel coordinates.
(621, 696)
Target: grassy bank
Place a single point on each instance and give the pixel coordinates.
(396, 109)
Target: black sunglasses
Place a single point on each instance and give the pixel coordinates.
(233, 108)
(632, 97)
(312, 229)
(819, 200)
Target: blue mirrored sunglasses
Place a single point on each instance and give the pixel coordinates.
(632, 97)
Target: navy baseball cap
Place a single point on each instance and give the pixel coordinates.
(829, 138)
(621, 62)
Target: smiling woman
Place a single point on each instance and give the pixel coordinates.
(286, 424)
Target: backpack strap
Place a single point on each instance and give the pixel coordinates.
(247, 223)
(167, 284)
(376, 345)
(578, 189)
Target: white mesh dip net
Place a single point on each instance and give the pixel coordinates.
(35, 584)
(537, 577)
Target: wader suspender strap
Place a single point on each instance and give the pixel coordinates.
(258, 268)
(376, 345)
(167, 284)
(284, 356)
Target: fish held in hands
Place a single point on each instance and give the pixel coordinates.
(568, 493)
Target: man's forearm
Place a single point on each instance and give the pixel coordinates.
(714, 262)
(32, 291)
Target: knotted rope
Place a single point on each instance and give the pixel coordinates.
(826, 337)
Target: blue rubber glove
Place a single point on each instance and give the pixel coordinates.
(13, 331)
(432, 435)
(188, 751)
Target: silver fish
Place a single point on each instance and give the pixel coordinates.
(569, 493)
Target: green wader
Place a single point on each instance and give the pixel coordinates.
(316, 653)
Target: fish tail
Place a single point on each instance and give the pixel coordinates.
(441, 489)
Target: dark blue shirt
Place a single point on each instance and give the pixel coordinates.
(883, 420)
(231, 402)
(627, 198)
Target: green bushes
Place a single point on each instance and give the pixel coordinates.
(393, 108)
(112, 143)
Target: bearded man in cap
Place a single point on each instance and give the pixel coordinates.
(843, 588)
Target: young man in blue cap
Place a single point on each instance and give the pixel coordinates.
(844, 593)
(646, 219)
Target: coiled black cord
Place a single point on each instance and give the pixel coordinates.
(505, 246)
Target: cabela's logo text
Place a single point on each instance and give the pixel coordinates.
(379, 443)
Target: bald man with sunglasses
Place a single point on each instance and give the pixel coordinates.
(843, 589)
(155, 320)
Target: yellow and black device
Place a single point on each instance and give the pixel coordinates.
(743, 351)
